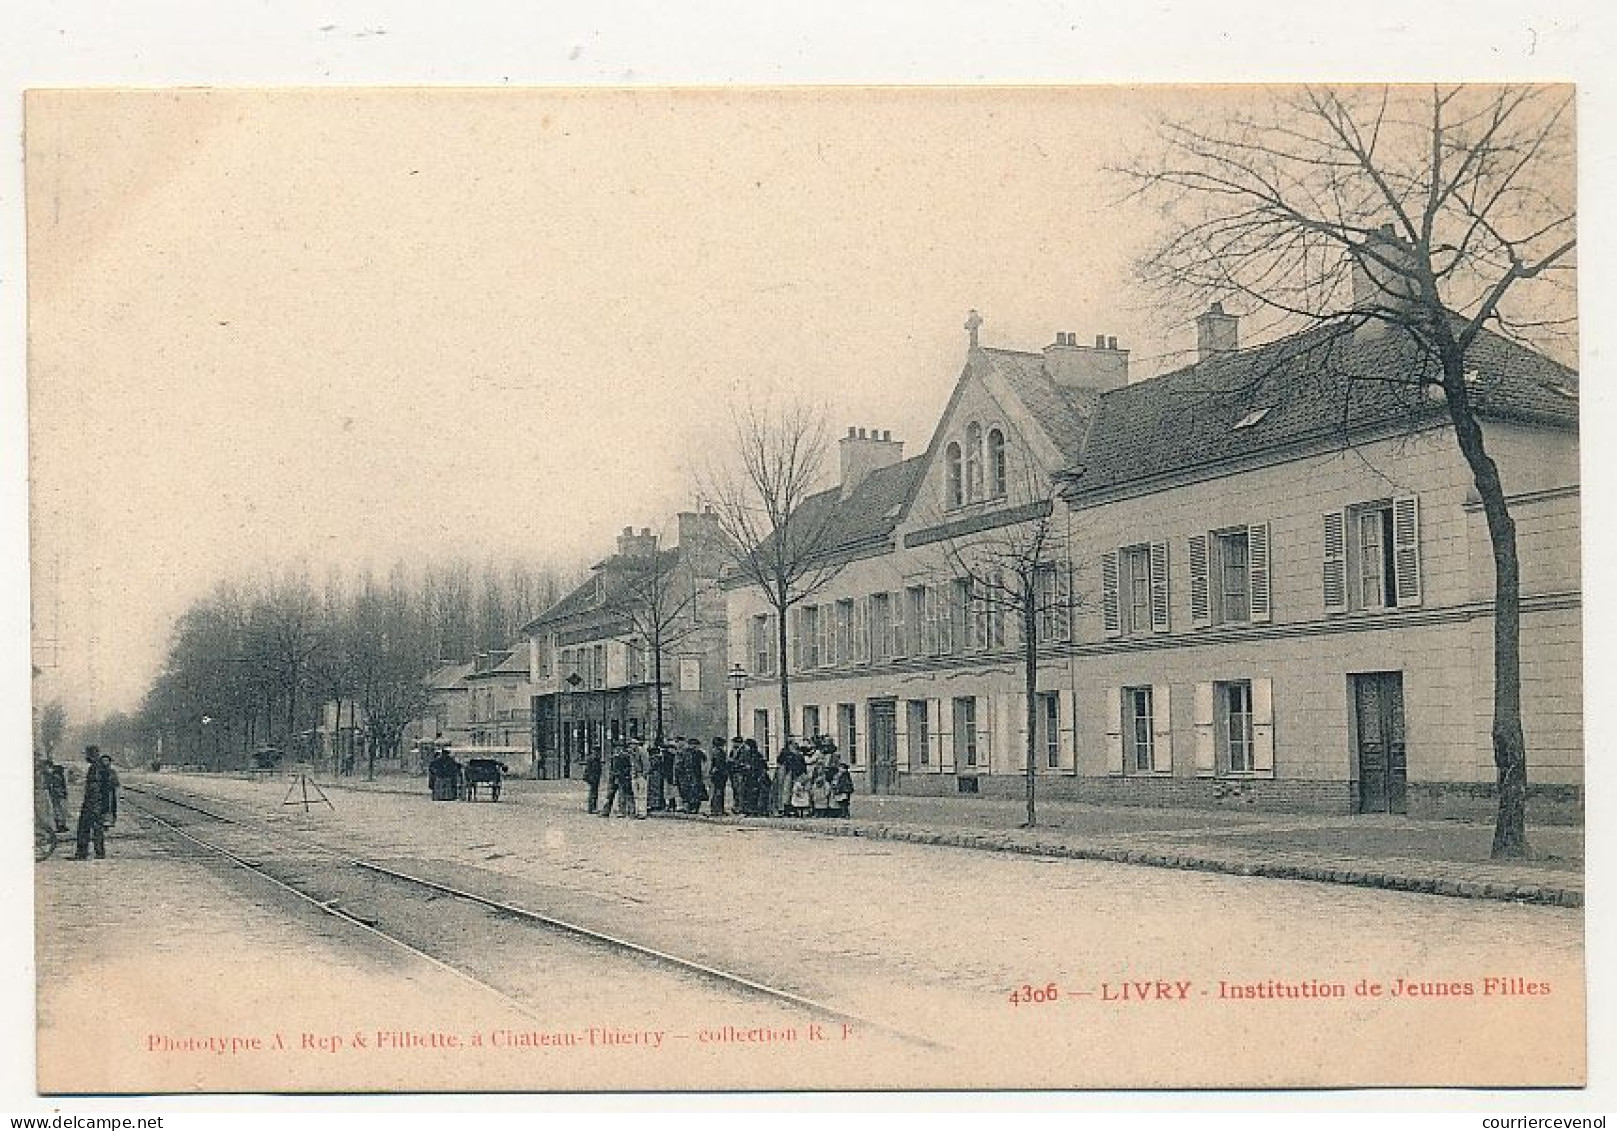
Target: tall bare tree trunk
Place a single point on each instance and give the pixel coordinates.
(1030, 682)
(1509, 741)
(657, 679)
(785, 678)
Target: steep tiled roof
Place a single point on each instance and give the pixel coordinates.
(868, 514)
(450, 677)
(1318, 383)
(584, 600)
(1062, 411)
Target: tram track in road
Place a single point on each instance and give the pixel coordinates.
(259, 859)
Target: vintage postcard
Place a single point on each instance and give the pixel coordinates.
(731, 589)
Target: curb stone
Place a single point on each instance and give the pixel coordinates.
(1535, 894)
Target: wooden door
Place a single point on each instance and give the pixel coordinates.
(883, 745)
(1382, 757)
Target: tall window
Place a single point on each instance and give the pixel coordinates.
(760, 729)
(923, 632)
(1137, 727)
(918, 732)
(763, 645)
(598, 665)
(974, 462)
(1134, 588)
(965, 731)
(955, 490)
(1050, 718)
(809, 643)
(881, 626)
(811, 721)
(1235, 724)
(842, 633)
(996, 464)
(848, 732)
(1373, 549)
(1232, 598)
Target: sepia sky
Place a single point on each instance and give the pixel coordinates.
(350, 326)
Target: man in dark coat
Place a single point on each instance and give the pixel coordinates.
(719, 774)
(54, 780)
(93, 813)
(443, 776)
(592, 777)
(620, 785)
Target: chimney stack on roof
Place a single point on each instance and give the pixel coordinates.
(633, 545)
(1216, 332)
(1102, 366)
(862, 454)
(1382, 283)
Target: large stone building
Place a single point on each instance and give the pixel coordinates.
(595, 669)
(1269, 582)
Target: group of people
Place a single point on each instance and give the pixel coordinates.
(99, 810)
(808, 780)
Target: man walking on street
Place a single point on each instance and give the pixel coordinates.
(719, 774)
(592, 777)
(620, 785)
(93, 813)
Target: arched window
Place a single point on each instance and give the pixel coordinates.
(974, 461)
(951, 456)
(996, 463)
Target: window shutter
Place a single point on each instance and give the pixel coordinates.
(1335, 562)
(1257, 565)
(1114, 730)
(1161, 729)
(985, 732)
(797, 638)
(1206, 753)
(1263, 725)
(1063, 597)
(945, 732)
(1108, 598)
(901, 736)
(1200, 612)
(1067, 721)
(1159, 587)
(897, 646)
(1406, 549)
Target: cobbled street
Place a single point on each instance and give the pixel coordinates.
(1030, 971)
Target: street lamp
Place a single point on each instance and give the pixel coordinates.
(738, 684)
(573, 680)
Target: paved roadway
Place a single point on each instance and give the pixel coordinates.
(937, 940)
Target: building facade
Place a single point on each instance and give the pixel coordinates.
(638, 647)
(1266, 582)
(500, 706)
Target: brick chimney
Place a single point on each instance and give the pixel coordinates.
(637, 544)
(1102, 366)
(1378, 283)
(1216, 332)
(863, 453)
(701, 540)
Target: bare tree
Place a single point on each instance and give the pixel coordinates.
(780, 525)
(1017, 572)
(661, 595)
(1451, 209)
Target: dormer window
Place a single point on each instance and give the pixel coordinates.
(1252, 417)
(954, 490)
(996, 463)
(974, 461)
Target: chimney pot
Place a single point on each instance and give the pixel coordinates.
(1217, 332)
(1111, 343)
(850, 431)
(1100, 341)
(628, 532)
(886, 435)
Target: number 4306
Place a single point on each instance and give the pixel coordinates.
(1035, 995)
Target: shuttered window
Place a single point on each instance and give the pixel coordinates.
(1229, 576)
(1372, 556)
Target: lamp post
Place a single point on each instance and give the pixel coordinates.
(738, 684)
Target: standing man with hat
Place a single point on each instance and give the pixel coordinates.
(94, 812)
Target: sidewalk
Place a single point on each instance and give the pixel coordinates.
(1440, 857)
